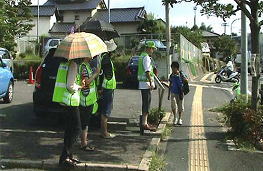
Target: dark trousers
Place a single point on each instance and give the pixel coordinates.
(146, 100)
(72, 130)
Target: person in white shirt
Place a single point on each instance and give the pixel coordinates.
(146, 82)
(230, 67)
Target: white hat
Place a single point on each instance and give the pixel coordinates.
(111, 45)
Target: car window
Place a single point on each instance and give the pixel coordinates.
(54, 43)
(134, 61)
(158, 43)
(4, 55)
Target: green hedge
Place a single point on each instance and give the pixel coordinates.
(21, 68)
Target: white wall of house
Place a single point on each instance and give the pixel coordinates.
(69, 16)
(45, 23)
(126, 28)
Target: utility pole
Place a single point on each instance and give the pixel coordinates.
(244, 61)
(168, 38)
(37, 21)
(195, 8)
(109, 9)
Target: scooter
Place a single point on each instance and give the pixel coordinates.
(222, 76)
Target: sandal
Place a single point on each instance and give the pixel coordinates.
(68, 163)
(77, 161)
(87, 148)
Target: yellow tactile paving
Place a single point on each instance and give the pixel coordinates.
(198, 157)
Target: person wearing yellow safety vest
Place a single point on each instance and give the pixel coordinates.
(67, 93)
(88, 101)
(106, 87)
(146, 81)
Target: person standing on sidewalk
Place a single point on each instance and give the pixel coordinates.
(88, 101)
(106, 88)
(176, 91)
(146, 81)
(67, 93)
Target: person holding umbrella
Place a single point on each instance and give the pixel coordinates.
(68, 85)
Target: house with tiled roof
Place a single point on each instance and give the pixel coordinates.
(71, 14)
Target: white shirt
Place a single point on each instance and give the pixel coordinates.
(147, 67)
(230, 65)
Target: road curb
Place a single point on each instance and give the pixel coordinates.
(231, 146)
(147, 157)
(143, 166)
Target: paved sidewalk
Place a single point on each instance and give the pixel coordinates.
(37, 147)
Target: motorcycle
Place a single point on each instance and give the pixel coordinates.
(222, 76)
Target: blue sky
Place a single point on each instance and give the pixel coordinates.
(180, 15)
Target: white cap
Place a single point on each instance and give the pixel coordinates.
(111, 45)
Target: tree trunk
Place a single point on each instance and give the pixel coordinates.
(255, 28)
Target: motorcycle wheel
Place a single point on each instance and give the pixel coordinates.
(218, 79)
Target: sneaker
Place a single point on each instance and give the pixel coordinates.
(109, 136)
(180, 122)
(175, 121)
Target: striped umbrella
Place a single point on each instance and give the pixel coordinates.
(80, 45)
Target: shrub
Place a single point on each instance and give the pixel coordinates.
(155, 116)
(21, 68)
(246, 124)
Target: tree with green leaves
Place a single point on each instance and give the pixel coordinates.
(253, 9)
(194, 36)
(151, 25)
(205, 28)
(225, 45)
(15, 18)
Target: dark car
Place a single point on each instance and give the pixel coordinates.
(6, 82)
(45, 79)
(131, 80)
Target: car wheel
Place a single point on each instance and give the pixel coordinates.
(218, 79)
(9, 94)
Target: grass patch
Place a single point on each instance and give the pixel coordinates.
(157, 163)
(166, 132)
(155, 116)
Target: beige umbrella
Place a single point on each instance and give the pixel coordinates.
(80, 45)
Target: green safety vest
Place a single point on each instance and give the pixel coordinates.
(109, 84)
(61, 93)
(141, 72)
(91, 98)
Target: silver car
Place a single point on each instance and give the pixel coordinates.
(7, 58)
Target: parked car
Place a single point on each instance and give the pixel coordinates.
(7, 58)
(45, 79)
(51, 43)
(160, 46)
(131, 80)
(6, 82)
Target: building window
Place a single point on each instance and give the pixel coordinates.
(76, 17)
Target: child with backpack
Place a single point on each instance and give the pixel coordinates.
(177, 80)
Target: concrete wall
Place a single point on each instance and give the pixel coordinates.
(69, 16)
(126, 28)
(45, 23)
